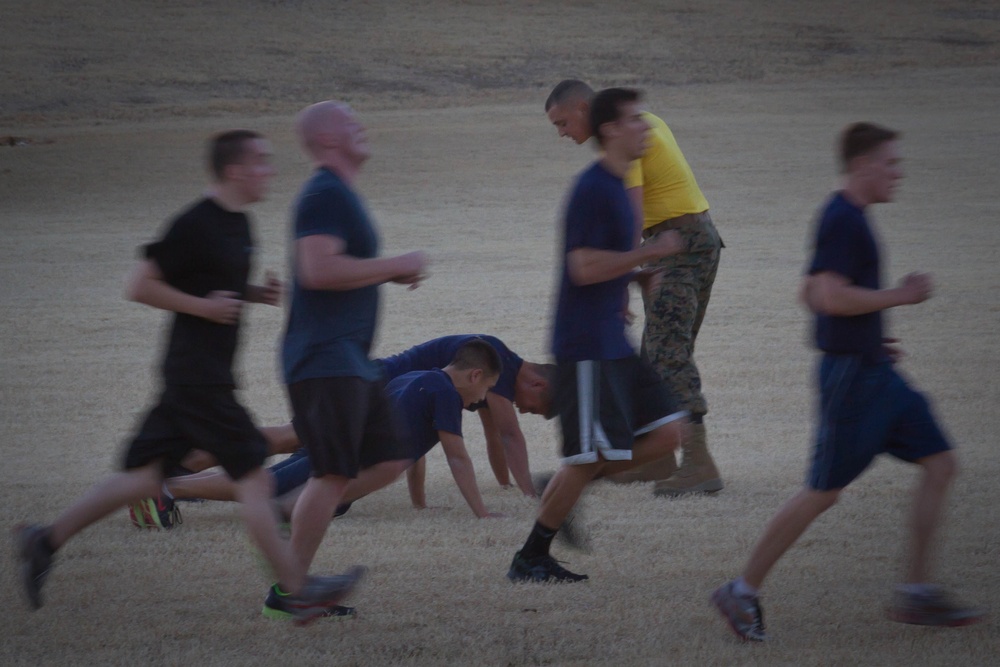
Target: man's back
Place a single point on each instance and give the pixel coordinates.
(669, 188)
(424, 402)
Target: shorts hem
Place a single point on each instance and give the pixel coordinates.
(652, 426)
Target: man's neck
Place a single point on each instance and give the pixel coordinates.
(616, 164)
(226, 198)
(348, 172)
(855, 194)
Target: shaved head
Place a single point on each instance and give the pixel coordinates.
(569, 90)
(319, 122)
(333, 137)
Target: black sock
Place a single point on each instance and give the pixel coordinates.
(47, 543)
(538, 542)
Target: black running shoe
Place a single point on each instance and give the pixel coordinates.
(275, 607)
(541, 569)
(35, 557)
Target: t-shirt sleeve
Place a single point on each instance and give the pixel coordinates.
(582, 214)
(176, 252)
(328, 211)
(447, 411)
(837, 247)
(633, 177)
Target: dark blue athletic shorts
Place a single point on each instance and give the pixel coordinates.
(866, 410)
(198, 417)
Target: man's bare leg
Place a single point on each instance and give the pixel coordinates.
(104, 498)
(312, 513)
(925, 517)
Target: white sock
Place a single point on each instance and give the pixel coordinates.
(166, 491)
(743, 589)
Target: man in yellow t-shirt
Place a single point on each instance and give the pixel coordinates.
(665, 196)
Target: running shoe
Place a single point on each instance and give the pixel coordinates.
(931, 608)
(275, 607)
(541, 569)
(155, 513)
(743, 614)
(319, 594)
(35, 558)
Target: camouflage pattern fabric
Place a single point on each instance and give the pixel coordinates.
(675, 313)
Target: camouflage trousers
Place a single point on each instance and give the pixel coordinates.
(675, 312)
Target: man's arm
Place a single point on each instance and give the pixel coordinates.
(500, 425)
(830, 293)
(268, 294)
(635, 196)
(587, 266)
(415, 476)
(322, 264)
(147, 285)
(463, 472)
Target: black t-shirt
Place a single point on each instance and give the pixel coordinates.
(205, 249)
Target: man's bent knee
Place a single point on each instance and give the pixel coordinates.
(942, 466)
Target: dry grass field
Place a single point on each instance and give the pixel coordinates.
(105, 107)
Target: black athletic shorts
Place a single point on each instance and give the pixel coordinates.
(604, 404)
(345, 423)
(198, 417)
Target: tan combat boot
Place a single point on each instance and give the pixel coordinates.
(653, 471)
(697, 473)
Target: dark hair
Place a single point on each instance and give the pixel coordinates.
(861, 139)
(566, 90)
(477, 353)
(228, 148)
(606, 107)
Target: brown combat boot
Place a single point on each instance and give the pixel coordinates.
(697, 473)
(653, 471)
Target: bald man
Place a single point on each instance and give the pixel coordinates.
(336, 392)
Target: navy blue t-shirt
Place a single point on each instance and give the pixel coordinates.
(205, 249)
(846, 245)
(440, 352)
(590, 319)
(330, 332)
(424, 402)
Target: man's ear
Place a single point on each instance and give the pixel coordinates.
(474, 375)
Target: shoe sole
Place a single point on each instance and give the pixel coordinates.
(707, 488)
(517, 578)
(352, 578)
(903, 617)
(339, 613)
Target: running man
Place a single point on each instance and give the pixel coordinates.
(614, 410)
(866, 407)
(340, 410)
(199, 271)
(665, 198)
